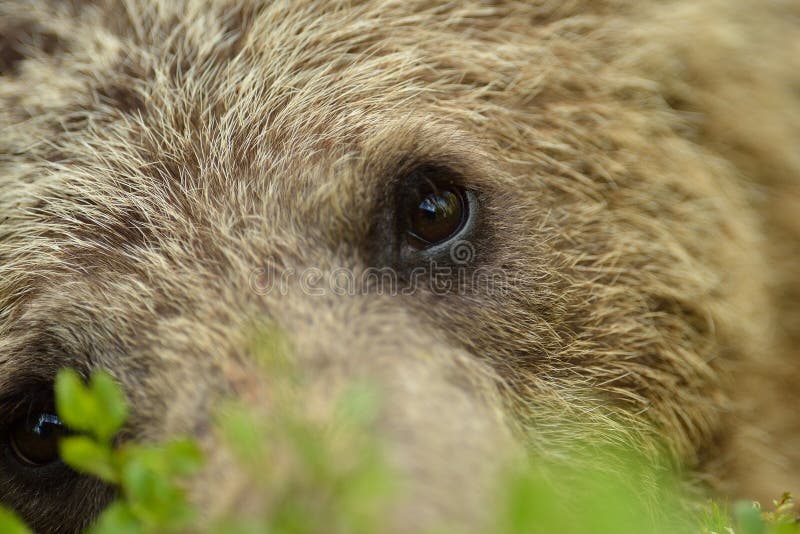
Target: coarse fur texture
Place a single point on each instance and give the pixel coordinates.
(637, 166)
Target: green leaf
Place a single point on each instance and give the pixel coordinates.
(183, 457)
(117, 519)
(111, 405)
(786, 528)
(99, 409)
(749, 519)
(243, 433)
(11, 524)
(152, 495)
(90, 457)
(75, 404)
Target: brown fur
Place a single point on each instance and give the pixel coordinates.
(637, 165)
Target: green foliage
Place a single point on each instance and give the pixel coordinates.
(326, 473)
(716, 519)
(327, 478)
(98, 409)
(11, 524)
(632, 499)
(147, 476)
(598, 489)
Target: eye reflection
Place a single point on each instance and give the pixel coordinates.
(438, 216)
(35, 440)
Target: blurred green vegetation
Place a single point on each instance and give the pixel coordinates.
(328, 475)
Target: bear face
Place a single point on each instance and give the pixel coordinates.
(185, 171)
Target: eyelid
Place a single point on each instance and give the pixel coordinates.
(416, 236)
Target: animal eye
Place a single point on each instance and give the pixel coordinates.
(34, 439)
(438, 215)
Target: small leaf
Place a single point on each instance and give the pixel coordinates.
(153, 497)
(243, 433)
(117, 519)
(749, 519)
(90, 457)
(11, 524)
(111, 404)
(74, 403)
(183, 457)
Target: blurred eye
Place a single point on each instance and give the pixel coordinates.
(437, 216)
(34, 440)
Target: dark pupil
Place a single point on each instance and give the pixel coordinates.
(35, 440)
(437, 217)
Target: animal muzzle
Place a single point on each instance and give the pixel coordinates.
(340, 417)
